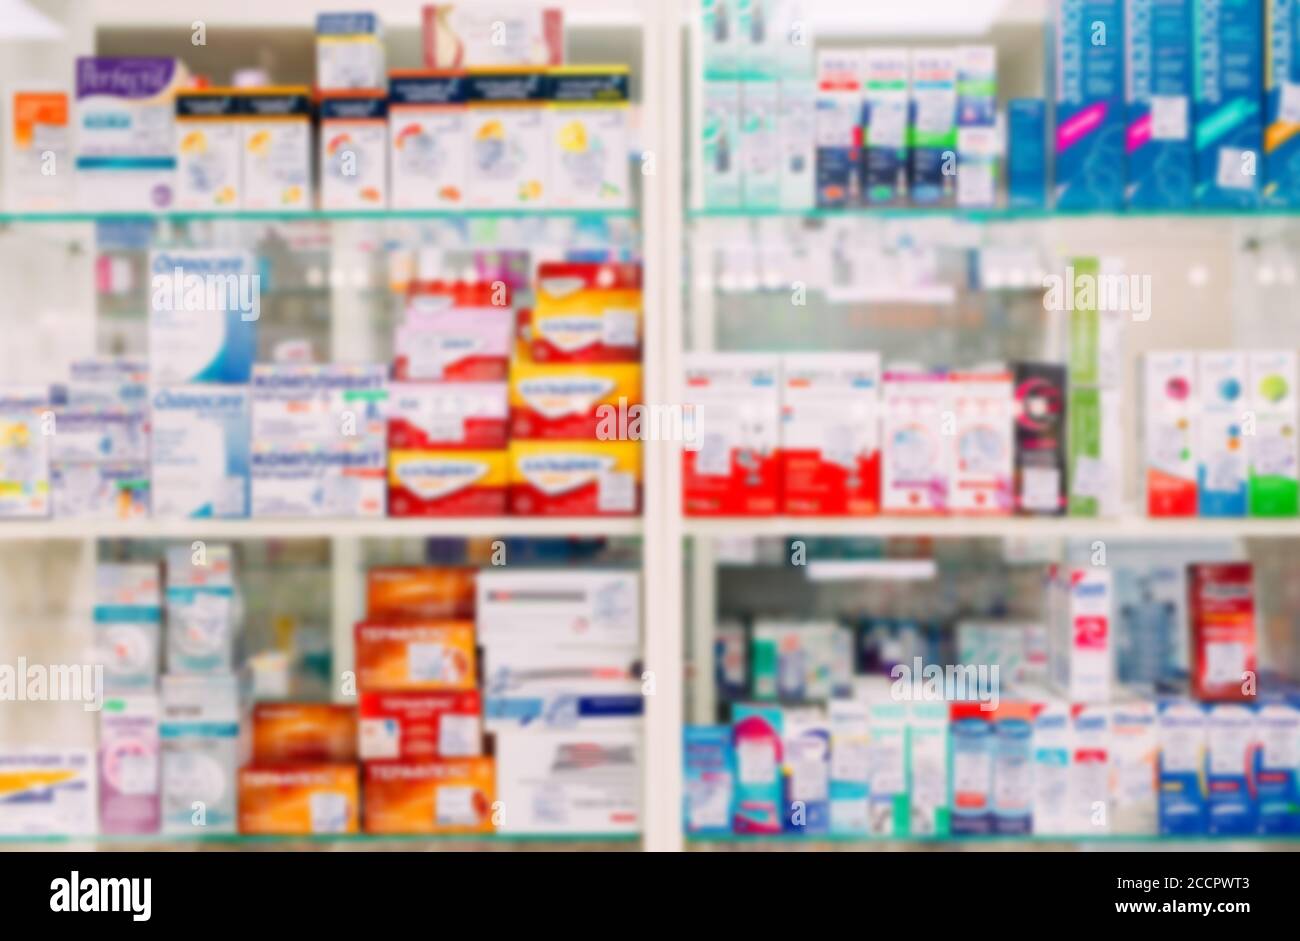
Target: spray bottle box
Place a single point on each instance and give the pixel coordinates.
(927, 731)
(1052, 743)
(914, 459)
(1158, 91)
(760, 148)
(839, 127)
(932, 138)
(1082, 633)
(720, 140)
(982, 458)
(277, 165)
(1096, 455)
(710, 780)
(1169, 436)
(428, 139)
(1041, 437)
(756, 736)
(978, 140)
(588, 116)
(200, 456)
(354, 150)
(885, 89)
(1277, 763)
(200, 749)
(508, 138)
(1027, 153)
(1229, 765)
(1272, 449)
(972, 769)
(1181, 727)
(1229, 95)
(1220, 448)
(805, 772)
(850, 765)
(758, 33)
(1089, 82)
(830, 447)
(1134, 752)
(209, 150)
(128, 765)
(796, 141)
(1221, 615)
(1282, 104)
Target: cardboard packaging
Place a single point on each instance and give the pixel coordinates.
(304, 733)
(416, 656)
(445, 416)
(447, 483)
(1222, 388)
(200, 452)
(209, 171)
(570, 400)
(1082, 634)
(212, 341)
(1273, 451)
(1089, 88)
(587, 313)
(981, 461)
(588, 115)
(1169, 434)
(200, 610)
(128, 624)
(455, 795)
(591, 781)
(428, 145)
(558, 608)
(508, 139)
(575, 478)
(1158, 90)
(36, 124)
(886, 91)
(526, 687)
(353, 150)
(129, 790)
(47, 792)
(24, 452)
(1229, 98)
(1221, 614)
(464, 35)
(299, 800)
(914, 454)
(349, 51)
(839, 124)
(1181, 726)
(419, 727)
(200, 747)
(710, 780)
(932, 130)
(277, 166)
(1041, 431)
(419, 592)
(454, 332)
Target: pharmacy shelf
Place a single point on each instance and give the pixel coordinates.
(361, 840)
(381, 528)
(1138, 527)
(315, 215)
(993, 215)
(1111, 839)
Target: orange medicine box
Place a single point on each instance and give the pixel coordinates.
(447, 483)
(587, 312)
(420, 726)
(575, 478)
(451, 796)
(303, 733)
(571, 400)
(419, 591)
(420, 655)
(298, 800)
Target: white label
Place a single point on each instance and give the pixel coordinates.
(1169, 117)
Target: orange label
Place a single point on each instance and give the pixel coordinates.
(298, 801)
(419, 592)
(450, 796)
(415, 656)
(303, 733)
(33, 108)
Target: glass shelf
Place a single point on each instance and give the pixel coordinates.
(315, 215)
(163, 839)
(1112, 838)
(989, 215)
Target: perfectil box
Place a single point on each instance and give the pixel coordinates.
(1229, 765)
(353, 150)
(454, 333)
(839, 125)
(830, 434)
(304, 733)
(757, 744)
(37, 136)
(932, 128)
(524, 687)
(428, 147)
(978, 138)
(415, 656)
(710, 780)
(569, 782)
(200, 610)
(128, 765)
(1081, 641)
(1181, 726)
(1272, 450)
(573, 400)
(1221, 616)
(447, 483)
(1089, 88)
(884, 140)
(981, 459)
(1282, 104)
(419, 726)
(126, 132)
(299, 800)
(200, 746)
(199, 452)
(914, 475)
(588, 117)
(558, 608)
(1229, 98)
(1221, 388)
(277, 166)
(453, 795)
(760, 150)
(349, 51)
(128, 619)
(203, 312)
(47, 792)
(736, 469)
(209, 148)
(587, 312)
(720, 144)
(1134, 754)
(24, 451)
(397, 592)
(447, 416)
(575, 478)
(1169, 400)
(508, 138)
(1158, 92)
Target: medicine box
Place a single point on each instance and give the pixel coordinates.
(200, 451)
(304, 733)
(569, 781)
(209, 166)
(886, 91)
(1229, 102)
(575, 478)
(1272, 450)
(203, 312)
(129, 776)
(588, 117)
(343, 479)
(415, 656)
(981, 461)
(508, 138)
(25, 416)
(527, 687)
(1169, 400)
(461, 35)
(448, 416)
(448, 483)
(1159, 72)
(349, 51)
(576, 401)
(419, 726)
(47, 791)
(1081, 642)
(200, 732)
(395, 592)
(1221, 461)
(200, 610)
(558, 608)
(428, 147)
(128, 624)
(914, 454)
(38, 139)
(1089, 90)
(354, 150)
(932, 126)
(839, 126)
(452, 795)
(299, 800)
(587, 312)
(277, 137)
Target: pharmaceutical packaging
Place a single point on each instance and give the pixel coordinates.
(1150, 623)
(417, 727)
(200, 458)
(1158, 91)
(354, 150)
(760, 148)
(1282, 104)
(428, 145)
(1097, 320)
(508, 138)
(448, 416)
(932, 127)
(1095, 441)
(710, 780)
(1181, 726)
(93, 490)
(972, 769)
(1276, 760)
(886, 92)
(888, 805)
(394, 592)
(587, 313)
(96, 433)
(1229, 98)
(731, 660)
(1090, 768)
(1052, 745)
(203, 313)
(760, 33)
(575, 478)
(209, 150)
(1221, 387)
(112, 381)
(850, 765)
(47, 791)
(128, 624)
(574, 400)
(1011, 798)
(796, 140)
(1230, 745)
(456, 334)
(415, 656)
(927, 730)
(569, 782)
(309, 402)
(720, 144)
(806, 768)
(126, 132)
(839, 128)
(200, 610)
(1169, 400)
(588, 117)
(447, 483)
(914, 474)
(558, 608)
(277, 135)
(37, 148)
(344, 479)
(1272, 451)
(24, 451)
(349, 51)
(304, 733)
(129, 779)
(1134, 756)
(200, 747)
(978, 138)
(453, 795)
(1081, 641)
(981, 459)
(830, 441)
(719, 38)
(1027, 153)
(527, 687)
(791, 660)
(1089, 89)
(299, 800)
(459, 35)
(756, 739)
(1221, 617)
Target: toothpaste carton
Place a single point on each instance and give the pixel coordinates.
(447, 483)
(1089, 84)
(454, 333)
(796, 140)
(354, 150)
(36, 125)
(1158, 91)
(419, 726)
(972, 769)
(720, 144)
(1169, 400)
(294, 403)
(508, 138)
(760, 149)
(463, 35)
(209, 150)
(1229, 98)
(286, 733)
(415, 656)
(1221, 450)
(932, 137)
(128, 619)
(1277, 762)
(200, 451)
(577, 781)
(126, 132)
(524, 687)
(588, 117)
(128, 765)
(1229, 765)
(200, 610)
(1027, 153)
(397, 592)
(25, 416)
(299, 800)
(839, 123)
(978, 137)
(349, 51)
(1012, 794)
(981, 458)
(1081, 640)
(558, 608)
(928, 748)
(277, 164)
(1282, 104)
(1134, 755)
(428, 146)
(587, 312)
(574, 400)
(1181, 726)
(850, 765)
(47, 792)
(710, 780)
(342, 479)
(1089, 798)
(203, 313)
(1221, 615)
(914, 458)
(575, 478)
(1041, 435)
(736, 469)
(1095, 441)
(447, 416)
(200, 745)
(453, 795)
(1052, 742)
(806, 770)
(830, 436)
(1272, 450)
(756, 737)
(885, 89)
